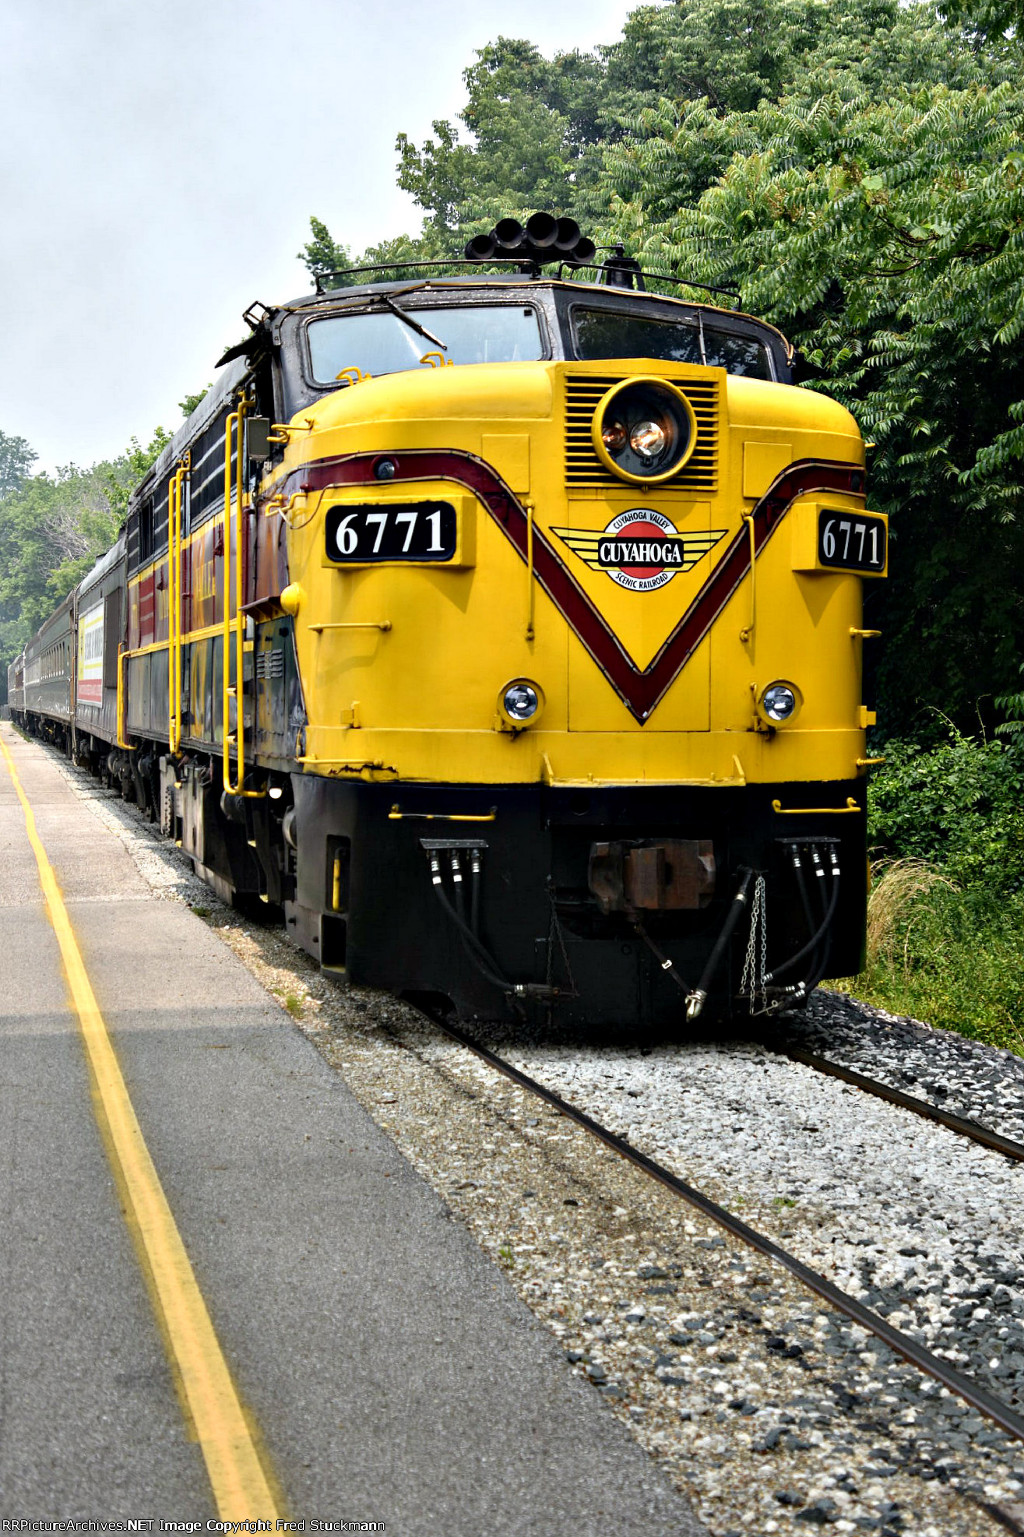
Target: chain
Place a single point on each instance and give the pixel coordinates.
(755, 966)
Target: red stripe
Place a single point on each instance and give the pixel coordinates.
(640, 691)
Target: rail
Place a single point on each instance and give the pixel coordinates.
(972, 1392)
(121, 734)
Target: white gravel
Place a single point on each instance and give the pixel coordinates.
(965, 1077)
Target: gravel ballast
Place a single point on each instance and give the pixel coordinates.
(770, 1411)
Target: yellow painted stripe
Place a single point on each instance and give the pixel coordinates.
(241, 1488)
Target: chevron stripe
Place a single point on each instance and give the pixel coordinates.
(640, 690)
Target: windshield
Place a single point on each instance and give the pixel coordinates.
(380, 342)
(602, 333)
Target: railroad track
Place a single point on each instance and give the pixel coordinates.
(973, 1130)
(902, 1344)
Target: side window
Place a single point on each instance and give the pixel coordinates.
(146, 531)
(111, 636)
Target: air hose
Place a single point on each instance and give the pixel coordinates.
(479, 954)
(816, 938)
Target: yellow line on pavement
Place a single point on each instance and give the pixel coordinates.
(241, 1488)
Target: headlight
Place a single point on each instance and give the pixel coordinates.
(779, 702)
(650, 439)
(521, 701)
(644, 430)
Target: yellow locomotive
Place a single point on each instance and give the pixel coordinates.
(505, 630)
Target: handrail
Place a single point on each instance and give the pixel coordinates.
(530, 631)
(360, 624)
(815, 811)
(747, 632)
(234, 427)
(175, 500)
(396, 814)
(122, 656)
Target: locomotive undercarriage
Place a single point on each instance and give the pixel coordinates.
(604, 906)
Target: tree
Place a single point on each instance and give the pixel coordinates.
(730, 53)
(188, 405)
(536, 124)
(52, 530)
(887, 239)
(991, 18)
(16, 458)
(323, 254)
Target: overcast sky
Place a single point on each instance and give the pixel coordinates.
(162, 159)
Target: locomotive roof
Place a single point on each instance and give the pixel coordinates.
(520, 284)
(267, 326)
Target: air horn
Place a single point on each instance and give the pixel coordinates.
(544, 239)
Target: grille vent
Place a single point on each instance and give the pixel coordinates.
(584, 468)
(270, 664)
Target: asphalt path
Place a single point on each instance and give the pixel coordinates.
(388, 1371)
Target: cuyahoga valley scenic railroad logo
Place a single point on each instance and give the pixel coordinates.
(640, 549)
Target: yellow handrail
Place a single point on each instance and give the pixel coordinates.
(172, 719)
(122, 657)
(815, 811)
(396, 814)
(747, 632)
(234, 428)
(174, 505)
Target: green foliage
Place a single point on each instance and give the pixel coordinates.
(731, 53)
(959, 804)
(990, 18)
(53, 528)
(323, 253)
(188, 405)
(536, 126)
(16, 458)
(1012, 706)
(950, 949)
(122, 475)
(958, 962)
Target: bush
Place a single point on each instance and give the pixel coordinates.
(946, 910)
(959, 805)
(951, 957)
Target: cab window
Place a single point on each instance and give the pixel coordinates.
(383, 342)
(603, 333)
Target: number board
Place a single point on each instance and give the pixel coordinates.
(424, 531)
(851, 541)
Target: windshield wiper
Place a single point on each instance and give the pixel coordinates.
(414, 324)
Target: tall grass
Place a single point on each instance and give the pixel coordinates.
(950, 957)
(897, 885)
(946, 910)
